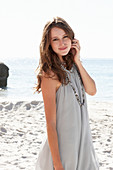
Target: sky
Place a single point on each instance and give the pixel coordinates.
(22, 22)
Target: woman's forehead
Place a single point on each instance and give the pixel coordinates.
(55, 31)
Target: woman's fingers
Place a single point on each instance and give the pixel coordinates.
(75, 44)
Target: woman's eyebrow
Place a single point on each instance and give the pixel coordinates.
(57, 37)
(54, 37)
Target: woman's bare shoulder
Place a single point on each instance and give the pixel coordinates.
(49, 81)
(49, 75)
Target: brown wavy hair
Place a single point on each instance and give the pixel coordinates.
(49, 60)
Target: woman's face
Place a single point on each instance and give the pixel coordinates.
(60, 42)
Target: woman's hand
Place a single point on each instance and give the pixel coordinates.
(76, 50)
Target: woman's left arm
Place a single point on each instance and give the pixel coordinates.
(88, 82)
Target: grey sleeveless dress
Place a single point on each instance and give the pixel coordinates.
(74, 135)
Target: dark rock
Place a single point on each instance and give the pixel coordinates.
(4, 74)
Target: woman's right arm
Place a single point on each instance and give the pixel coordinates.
(48, 87)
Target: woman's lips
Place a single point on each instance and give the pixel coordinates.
(62, 48)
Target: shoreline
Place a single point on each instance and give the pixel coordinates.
(23, 128)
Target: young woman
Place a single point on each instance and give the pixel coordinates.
(63, 82)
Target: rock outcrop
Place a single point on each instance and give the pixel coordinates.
(4, 74)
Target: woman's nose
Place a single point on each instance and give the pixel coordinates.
(61, 42)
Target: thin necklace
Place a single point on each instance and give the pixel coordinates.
(81, 103)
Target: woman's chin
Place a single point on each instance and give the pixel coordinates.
(64, 53)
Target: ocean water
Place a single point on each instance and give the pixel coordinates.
(22, 79)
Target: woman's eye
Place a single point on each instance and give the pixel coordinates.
(66, 36)
(55, 39)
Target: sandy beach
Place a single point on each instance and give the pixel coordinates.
(23, 128)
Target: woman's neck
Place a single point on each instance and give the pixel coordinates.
(61, 59)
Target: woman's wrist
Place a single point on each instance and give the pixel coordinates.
(59, 166)
(78, 62)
